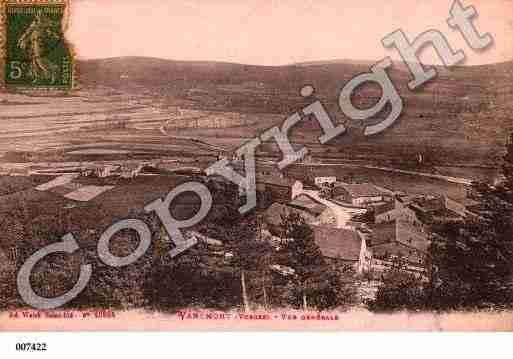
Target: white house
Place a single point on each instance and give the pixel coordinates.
(359, 194)
(319, 181)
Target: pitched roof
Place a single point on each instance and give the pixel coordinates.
(383, 233)
(430, 204)
(399, 232)
(384, 207)
(338, 243)
(276, 212)
(361, 190)
(410, 236)
(308, 203)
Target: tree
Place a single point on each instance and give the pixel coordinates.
(8, 293)
(195, 278)
(240, 235)
(472, 260)
(253, 257)
(399, 290)
(314, 279)
(507, 167)
(327, 191)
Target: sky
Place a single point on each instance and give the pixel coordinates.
(276, 32)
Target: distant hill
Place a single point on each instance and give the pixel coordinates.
(463, 115)
(397, 65)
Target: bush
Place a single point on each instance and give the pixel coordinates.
(399, 291)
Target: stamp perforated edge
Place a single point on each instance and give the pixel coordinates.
(3, 39)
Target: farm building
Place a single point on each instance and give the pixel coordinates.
(313, 212)
(280, 189)
(277, 212)
(396, 210)
(343, 246)
(324, 215)
(359, 194)
(438, 209)
(398, 241)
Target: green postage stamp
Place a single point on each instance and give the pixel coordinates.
(36, 53)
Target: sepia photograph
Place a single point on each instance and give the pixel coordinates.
(256, 165)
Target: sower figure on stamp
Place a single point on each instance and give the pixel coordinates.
(32, 41)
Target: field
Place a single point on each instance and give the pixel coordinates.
(97, 126)
(462, 116)
(140, 108)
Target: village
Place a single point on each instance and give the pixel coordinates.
(370, 228)
(360, 226)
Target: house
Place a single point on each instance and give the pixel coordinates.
(428, 204)
(307, 203)
(130, 170)
(398, 241)
(319, 181)
(106, 171)
(312, 211)
(438, 209)
(422, 210)
(343, 246)
(339, 246)
(280, 189)
(359, 194)
(274, 215)
(324, 215)
(123, 171)
(396, 210)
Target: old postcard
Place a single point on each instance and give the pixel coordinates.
(256, 165)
